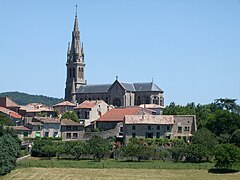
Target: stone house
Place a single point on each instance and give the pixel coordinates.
(45, 127)
(71, 130)
(14, 116)
(155, 107)
(90, 110)
(36, 109)
(64, 106)
(114, 116)
(22, 131)
(9, 104)
(159, 126)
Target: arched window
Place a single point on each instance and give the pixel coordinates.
(155, 100)
(74, 73)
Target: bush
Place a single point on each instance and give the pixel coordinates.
(37, 149)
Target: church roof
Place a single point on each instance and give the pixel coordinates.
(134, 87)
(98, 88)
(146, 87)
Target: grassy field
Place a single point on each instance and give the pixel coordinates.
(90, 173)
(54, 163)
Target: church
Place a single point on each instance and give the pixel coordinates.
(118, 93)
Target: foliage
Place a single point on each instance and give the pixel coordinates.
(5, 120)
(202, 146)
(70, 115)
(48, 150)
(223, 122)
(227, 104)
(178, 150)
(235, 138)
(99, 147)
(9, 150)
(24, 99)
(76, 148)
(41, 148)
(227, 155)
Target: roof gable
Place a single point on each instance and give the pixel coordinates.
(98, 88)
(88, 104)
(65, 103)
(150, 86)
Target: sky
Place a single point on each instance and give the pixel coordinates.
(191, 49)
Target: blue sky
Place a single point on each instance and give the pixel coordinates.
(190, 48)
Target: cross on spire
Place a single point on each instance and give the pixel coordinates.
(76, 10)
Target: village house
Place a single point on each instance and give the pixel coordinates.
(159, 126)
(9, 104)
(71, 130)
(14, 116)
(22, 131)
(155, 107)
(36, 109)
(90, 110)
(114, 116)
(45, 127)
(64, 106)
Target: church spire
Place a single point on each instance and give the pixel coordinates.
(76, 22)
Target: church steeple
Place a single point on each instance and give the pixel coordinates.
(75, 63)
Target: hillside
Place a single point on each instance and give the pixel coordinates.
(23, 98)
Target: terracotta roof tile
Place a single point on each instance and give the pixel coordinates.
(88, 104)
(117, 114)
(10, 113)
(149, 119)
(19, 128)
(47, 120)
(65, 103)
(69, 122)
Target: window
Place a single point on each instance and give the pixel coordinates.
(55, 134)
(158, 135)
(69, 136)
(149, 135)
(133, 135)
(121, 129)
(133, 127)
(179, 129)
(69, 128)
(149, 128)
(86, 115)
(38, 134)
(25, 134)
(168, 127)
(186, 128)
(46, 134)
(75, 128)
(158, 127)
(75, 135)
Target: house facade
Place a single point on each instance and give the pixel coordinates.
(64, 106)
(71, 130)
(90, 110)
(159, 126)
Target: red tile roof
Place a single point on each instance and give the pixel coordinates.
(117, 114)
(10, 113)
(19, 128)
(88, 104)
(65, 122)
(65, 103)
(47, 120)
(149, 119)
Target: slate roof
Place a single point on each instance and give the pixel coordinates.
(146, 87)
(134, 87)
(98, 88)
(149, 119)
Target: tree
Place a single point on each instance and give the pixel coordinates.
(37, 150)
(227, 155)
(75, 148)
(9, 150)
(5, 120)
(49, 150)
(235, 138)
(178, 150)
(227, 104)
(202, 146)
(99, 147)
(70, 115)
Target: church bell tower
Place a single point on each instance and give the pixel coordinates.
(75, 64)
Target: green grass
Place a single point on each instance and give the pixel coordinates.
(113, 173)
(54, 163)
